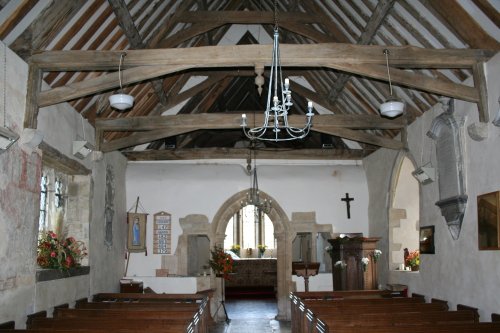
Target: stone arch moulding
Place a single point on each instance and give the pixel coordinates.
(447, 131)
(283, 237)
(396, 214)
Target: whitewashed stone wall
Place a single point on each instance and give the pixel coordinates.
(20, 295)
(458, 272)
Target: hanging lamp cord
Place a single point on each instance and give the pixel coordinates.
(122, 55)
(4, 84)
(386, 52)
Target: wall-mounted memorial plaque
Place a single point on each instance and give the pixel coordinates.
(162, 233)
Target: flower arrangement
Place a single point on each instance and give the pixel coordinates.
(236, 248)
(59, 254)
(376, 254)
(221, 262)
(329, 249)
(364, 263)
(413, 259)
(340, 264)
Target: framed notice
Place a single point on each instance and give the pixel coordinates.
(136, 232)
(162, 233)
(427, 240)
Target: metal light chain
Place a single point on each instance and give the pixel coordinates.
(275, 14)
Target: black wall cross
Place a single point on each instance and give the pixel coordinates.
(348, 204)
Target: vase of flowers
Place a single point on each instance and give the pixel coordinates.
(236, 248)
(56, 253)
(221, 263)
(413, 260)
(262, 249)
(364, 263)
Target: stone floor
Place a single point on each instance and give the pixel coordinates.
(251, 316)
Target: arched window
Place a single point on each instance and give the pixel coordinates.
(249, 228)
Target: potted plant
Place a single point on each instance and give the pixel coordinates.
(61, 254)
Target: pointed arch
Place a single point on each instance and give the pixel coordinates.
(404, 210)
(282, 234)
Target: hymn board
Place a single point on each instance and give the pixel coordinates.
(162, 233)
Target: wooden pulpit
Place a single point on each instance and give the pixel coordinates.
(347, 267)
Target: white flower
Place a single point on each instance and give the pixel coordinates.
(376, 254)
(328, 248)
(340, 264)
(364, 263)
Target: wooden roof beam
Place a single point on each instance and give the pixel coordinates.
(230, 119)
(135, 39)
(110, 81)
(242, 153)
(308, 55)
(378, 16)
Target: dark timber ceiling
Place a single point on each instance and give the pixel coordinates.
(346, 95)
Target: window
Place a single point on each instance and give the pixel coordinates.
(42, 220)
(51, 200)
(248, 228)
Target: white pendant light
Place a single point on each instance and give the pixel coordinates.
(121, 101)
(392, 107)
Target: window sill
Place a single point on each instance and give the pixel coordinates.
(56, 274)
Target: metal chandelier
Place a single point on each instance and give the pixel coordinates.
(253, 195)
(276, 126)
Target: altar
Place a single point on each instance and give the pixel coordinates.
(254, 272)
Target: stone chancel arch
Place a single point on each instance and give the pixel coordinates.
(282, 234)
(285, 231)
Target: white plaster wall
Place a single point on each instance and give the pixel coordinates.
(320, 282)
(458, 272)
(201, 188)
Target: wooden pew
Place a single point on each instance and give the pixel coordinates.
(8, 325)
(31, 317)
(113, 324)
(187, 313)
(348, 316)
(326, 295)
(372, 313)
(355, 297)
(203, 320)
(448, 328)
(182, 313)
(470, 308)
(172, 329)
(135, 297)
(138, 305)
(398, 319)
